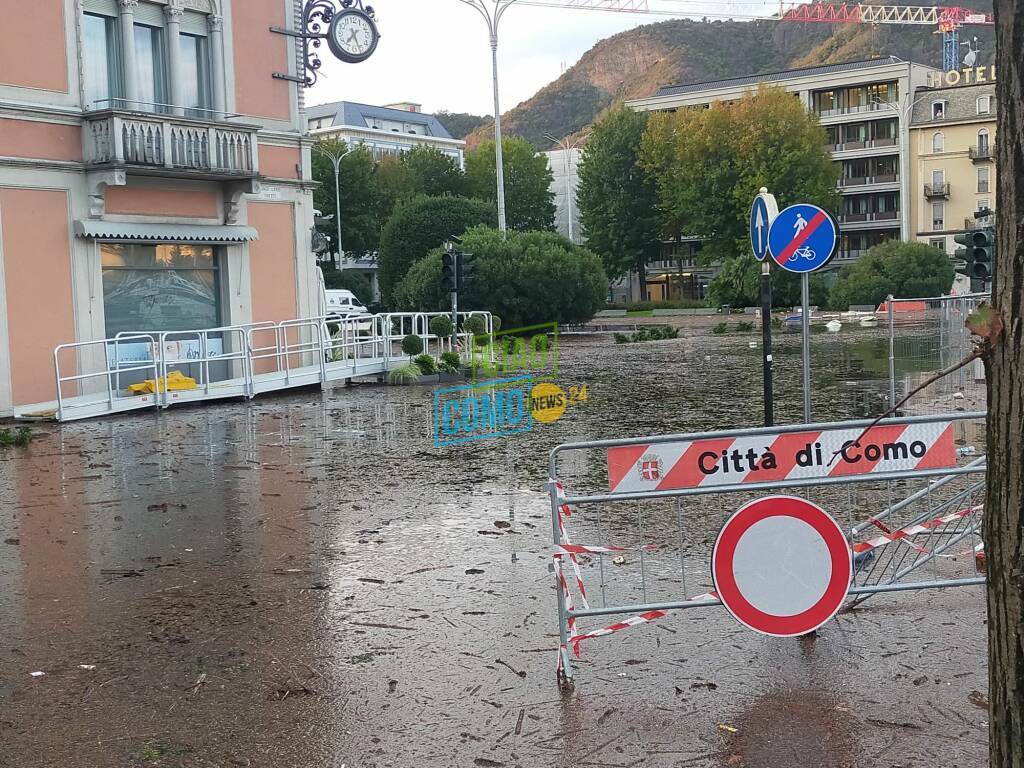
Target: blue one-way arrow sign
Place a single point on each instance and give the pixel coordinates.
(762, 214)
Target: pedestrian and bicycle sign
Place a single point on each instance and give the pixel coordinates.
(782, 566)
(764, 210)
(803, 238)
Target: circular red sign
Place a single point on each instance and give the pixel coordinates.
(794, 569)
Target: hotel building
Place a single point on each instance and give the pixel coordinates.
(865, 108)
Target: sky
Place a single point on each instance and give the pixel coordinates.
(436, 52)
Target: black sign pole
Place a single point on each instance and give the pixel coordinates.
(766, 343)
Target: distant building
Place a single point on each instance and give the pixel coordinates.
(564, 167)
(860, 104)
(953, 172)
(388, 130)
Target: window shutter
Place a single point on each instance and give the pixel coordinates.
(101, 7)
(194, 24)
(150, 14)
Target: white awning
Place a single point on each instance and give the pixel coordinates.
(164, 233)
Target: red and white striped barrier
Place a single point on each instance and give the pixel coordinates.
(789, 456)
(903, 535)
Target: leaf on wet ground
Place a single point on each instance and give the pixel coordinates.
(474, 571)
(978, 699)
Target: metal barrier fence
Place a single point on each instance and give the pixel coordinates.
(926, 336)
(239, 360)
(639, 554)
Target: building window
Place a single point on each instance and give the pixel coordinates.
(102, 75)
(938, 177)
(938, 242)
(938, 216)
(151, 68)
(938, 143)
(826, 101)
(195, 76)
(983, 176)
(884, 130)
(983, 142)
(938, 110)
(882, 92)
(984, 205)
(984, 105)
(155, 288)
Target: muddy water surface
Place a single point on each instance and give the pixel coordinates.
(307, 581)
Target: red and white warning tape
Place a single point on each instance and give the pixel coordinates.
(567, 549)
(903, 535)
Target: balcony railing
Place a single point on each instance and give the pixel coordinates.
(861, 181)
(195, 147)
(852, 218)
(935, 191)
(982, 153)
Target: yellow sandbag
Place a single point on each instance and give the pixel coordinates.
(176, 382)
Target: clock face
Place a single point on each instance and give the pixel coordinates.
(353, 36)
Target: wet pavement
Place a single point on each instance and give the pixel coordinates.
(307, 581)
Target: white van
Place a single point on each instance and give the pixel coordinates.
(343, 303)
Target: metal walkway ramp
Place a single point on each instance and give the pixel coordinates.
(238, 361)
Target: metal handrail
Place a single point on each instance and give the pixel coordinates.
(106, 373)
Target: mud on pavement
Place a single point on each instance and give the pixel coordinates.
(308, 581)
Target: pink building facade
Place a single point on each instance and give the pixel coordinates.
(154, 176)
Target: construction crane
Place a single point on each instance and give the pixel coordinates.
(947, 19)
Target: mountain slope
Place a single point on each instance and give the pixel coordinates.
(637, 63)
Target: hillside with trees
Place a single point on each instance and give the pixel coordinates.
(636, 63)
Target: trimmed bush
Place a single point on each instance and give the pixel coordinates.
(426, 364)
(744, 326)
(412, 345)
(475, 325)
(19, 437)
(441, 326)
(721, 328)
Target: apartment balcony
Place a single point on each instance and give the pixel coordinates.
(853, 218)
(170, 146)
(866, 181)
(937, 191)
(982, 154)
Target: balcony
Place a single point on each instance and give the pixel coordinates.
(170, 146)
(982, 153)
(937, 191)
(863, 181)
(854, 218)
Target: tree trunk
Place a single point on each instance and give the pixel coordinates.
(641, 273)
(1004, 363)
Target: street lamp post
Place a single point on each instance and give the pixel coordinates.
(903, 113)
(567, 149)
(492, 11)
(335, 157)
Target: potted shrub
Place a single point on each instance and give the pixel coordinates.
(449, 367)
(428, 367)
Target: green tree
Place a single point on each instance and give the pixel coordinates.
(526, 279)
(461, 124)
(394, 185)
(710, 163)
(433, 173)
(617, 198)
(905, 270)
(529, 201)
(738, 284)
(417, 227)
(360, 225)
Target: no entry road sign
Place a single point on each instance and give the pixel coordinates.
(782, 566)
(764, 210)
(803, 238)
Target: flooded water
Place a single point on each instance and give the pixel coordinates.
(307, 581)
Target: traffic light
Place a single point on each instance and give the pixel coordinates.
(449, 269)
(465, 270)
(984, 258)
(978, 253)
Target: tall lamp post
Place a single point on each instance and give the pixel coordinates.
(492, 11)
(903, 113)
(335, 157)
(567, 149)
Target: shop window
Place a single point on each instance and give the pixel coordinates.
(155, 288)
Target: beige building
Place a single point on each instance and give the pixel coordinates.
(953, 172)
